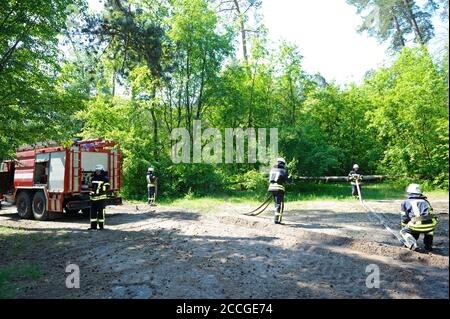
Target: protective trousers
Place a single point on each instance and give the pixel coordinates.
(411, 237)
(278, 197)
(98, 214)
(151, 194)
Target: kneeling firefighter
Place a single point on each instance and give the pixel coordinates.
(100, 189)
(277, 177)
(417, 218)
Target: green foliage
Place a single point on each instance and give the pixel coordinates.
(255, 181)
(139, 69)
(12, 274)
(396, 20)
(411, 117)
(34, 102)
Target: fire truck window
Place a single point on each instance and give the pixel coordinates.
(3, 167)
(41, 173)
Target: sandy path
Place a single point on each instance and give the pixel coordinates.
(322, 251)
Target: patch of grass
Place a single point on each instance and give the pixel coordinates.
(15, 277)
(305, 191)
(16, 240)
(15, 243)
(342, 191)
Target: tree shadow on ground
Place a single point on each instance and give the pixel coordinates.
(115, 218)
(175, 265)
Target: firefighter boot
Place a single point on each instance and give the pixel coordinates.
(93, 226)
(409, 240)
(428, 241)
(101, 220)
(277, 218)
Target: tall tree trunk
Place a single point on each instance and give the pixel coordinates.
(155, 127)
(113, 91)
(187, 98)
(250, 105)
(202, 87)
(155, 134)
(412, 20)
(399, 31)
(243, 33)
(292, 98)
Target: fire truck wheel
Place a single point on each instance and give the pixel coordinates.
(39, 206)
(23, 203)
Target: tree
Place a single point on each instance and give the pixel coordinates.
(395, 20)
(200, 50)
(33, 100)
(293, 83)
(239, 11)
(411, 116)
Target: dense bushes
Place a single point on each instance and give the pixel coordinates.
(394, 123)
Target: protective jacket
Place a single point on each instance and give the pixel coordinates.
(353, 176)
(277, 177)
(100, 187)
(416, 214)
(151, 179)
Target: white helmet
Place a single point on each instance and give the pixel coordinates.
(99, 167)
(150, 169)
(281, 160)
(355, 166)
(414, 189)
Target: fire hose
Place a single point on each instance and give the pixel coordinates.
(260, 208)
(263, 207)
(377, 216)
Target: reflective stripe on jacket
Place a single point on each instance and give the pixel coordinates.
(273, 187)
(151, 179)
(100, 187)
(416, 215)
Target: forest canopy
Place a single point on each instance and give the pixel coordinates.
(140, 68)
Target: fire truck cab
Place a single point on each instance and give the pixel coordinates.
(57, 179)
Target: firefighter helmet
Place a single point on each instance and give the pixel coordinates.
(99, 167)
(414, 189)
(355, 166)
(150, 169)
(281, 160)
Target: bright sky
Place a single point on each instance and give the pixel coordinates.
(325, 32)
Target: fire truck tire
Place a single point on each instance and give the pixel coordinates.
(23, 204)
(39, 206)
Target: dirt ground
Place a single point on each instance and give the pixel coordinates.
(321, 251)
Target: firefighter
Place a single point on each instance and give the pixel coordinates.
(100, 189)
(151, 186)
(417, 218)
(353, 176)
(277, 177)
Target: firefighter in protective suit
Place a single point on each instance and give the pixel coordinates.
(353, 176)
(277, 177)
(151, 186)
(99, 193)
(417, 218)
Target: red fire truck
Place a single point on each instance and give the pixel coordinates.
(57, 179)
